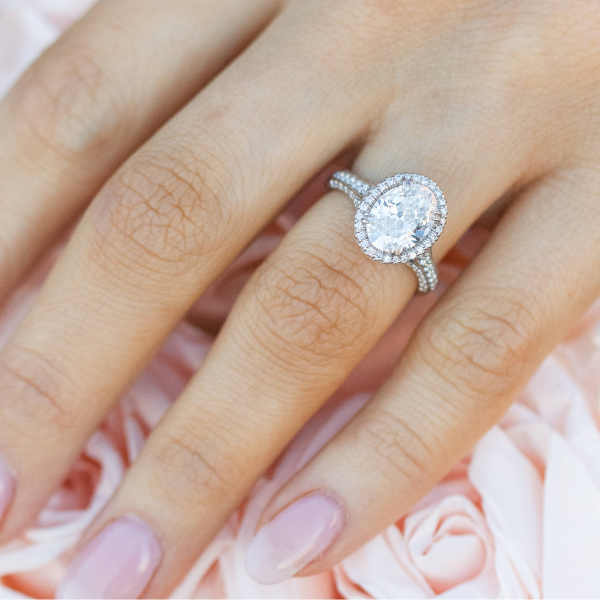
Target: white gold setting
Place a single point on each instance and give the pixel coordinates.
(397, 220)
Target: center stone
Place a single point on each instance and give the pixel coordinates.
(401, 218)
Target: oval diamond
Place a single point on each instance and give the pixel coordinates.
(401, 217)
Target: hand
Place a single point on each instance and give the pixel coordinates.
(489, 99)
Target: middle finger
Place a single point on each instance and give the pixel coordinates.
(161, 229)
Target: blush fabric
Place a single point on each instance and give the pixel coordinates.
(518, 518)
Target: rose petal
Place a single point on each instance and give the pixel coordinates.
(571, 535)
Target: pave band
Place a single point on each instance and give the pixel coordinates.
(351, 185)
(397, 220)
(426, 271)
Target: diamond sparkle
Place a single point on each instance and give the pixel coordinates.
(401, 217)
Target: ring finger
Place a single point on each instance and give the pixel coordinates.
(466, 362)
(305, 320)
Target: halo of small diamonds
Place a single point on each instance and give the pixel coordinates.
(409, 252)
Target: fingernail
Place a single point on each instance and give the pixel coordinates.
(7, 486)
(118, 563)
(294, 538)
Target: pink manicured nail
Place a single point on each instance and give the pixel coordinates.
(7, 486)
(118, 563)
(294, 538)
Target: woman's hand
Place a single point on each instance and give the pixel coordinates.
(491, 99)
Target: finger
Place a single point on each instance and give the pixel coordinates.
(161, 229)
(466, 363)
(93, 98)
(300, 326)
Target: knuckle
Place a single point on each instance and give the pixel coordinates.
(481, 347)
(194, 468)
(521, 51)
(312, 307)
(68, 104)
(162, 213)
(35, 390)
(392, 447)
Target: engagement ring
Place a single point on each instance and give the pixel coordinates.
(397, 220)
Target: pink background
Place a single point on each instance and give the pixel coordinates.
(518, 518)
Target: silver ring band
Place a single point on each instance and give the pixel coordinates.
(397, 220)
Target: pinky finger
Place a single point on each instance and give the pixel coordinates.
(466, 363)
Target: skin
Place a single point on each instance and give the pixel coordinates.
(179, 151)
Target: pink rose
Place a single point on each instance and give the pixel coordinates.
(27, 27)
